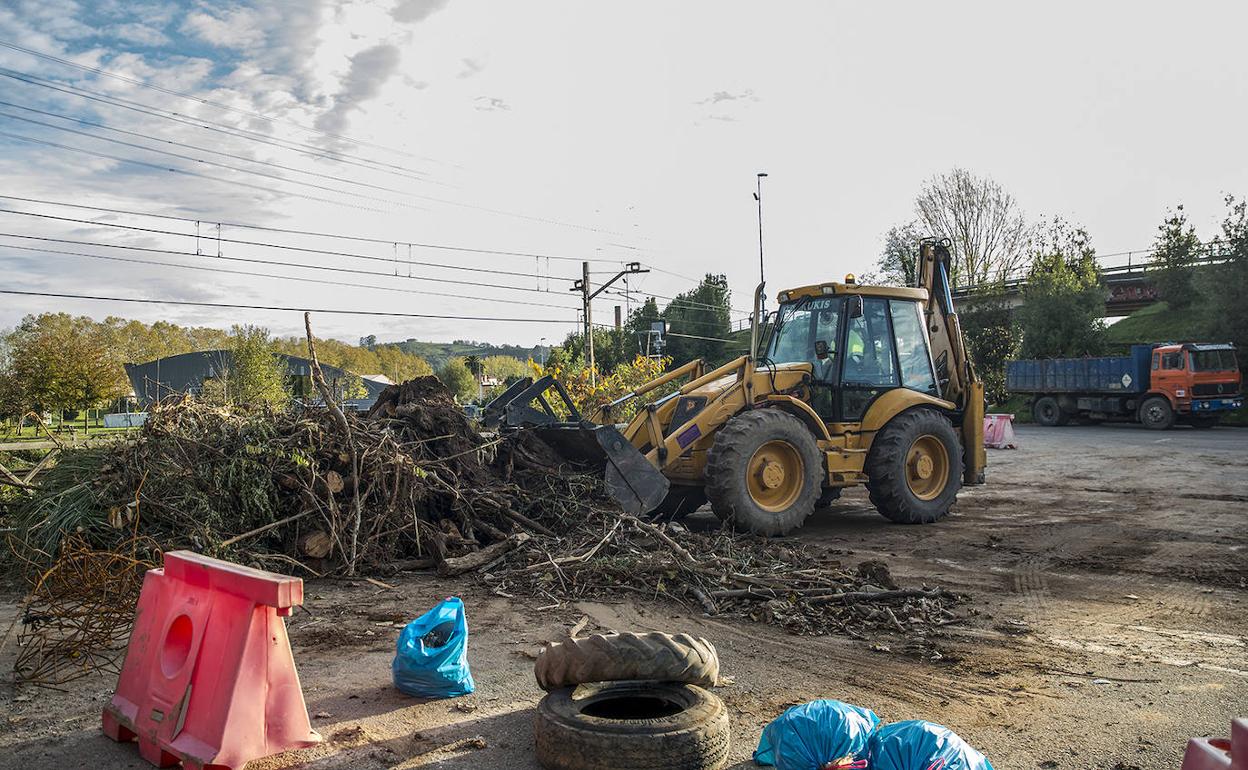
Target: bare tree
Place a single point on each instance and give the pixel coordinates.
(983, 220)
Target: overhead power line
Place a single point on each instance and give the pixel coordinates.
(302, 266)
(184, 145)
(242, 306)
(243, 133)
(311, 233)
(300, 279)
(218, 164)
(280, 246)
(209, 102)
(209, 125)
(173, 170)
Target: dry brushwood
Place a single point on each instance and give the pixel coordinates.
(278, 490)
(77, 618)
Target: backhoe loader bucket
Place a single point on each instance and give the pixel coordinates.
(631, 480)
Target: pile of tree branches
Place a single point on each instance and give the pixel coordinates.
(412, 483)
(782, 582)
(414, 486)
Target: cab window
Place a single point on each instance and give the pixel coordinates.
(869, 357)
(807, 333)
(913, 353)
(1172, 360)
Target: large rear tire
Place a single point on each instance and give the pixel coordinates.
(914, 468)
(1156, 413)
(764, 472)
(631, 726)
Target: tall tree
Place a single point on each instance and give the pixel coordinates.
(982, 220)
(457, 379)
(992, 338)
(1173, 264)
(1063, 301)
(60, 362)
(256, 376)
(1229, 286)
(699, 321)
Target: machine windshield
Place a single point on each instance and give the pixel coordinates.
(1212, 360)
(806, 333)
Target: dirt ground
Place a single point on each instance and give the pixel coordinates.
(1108, 567)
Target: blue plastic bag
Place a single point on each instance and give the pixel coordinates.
(918, 745)
(432, 656)
(818, 735)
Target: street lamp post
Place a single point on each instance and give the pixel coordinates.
(758, 196)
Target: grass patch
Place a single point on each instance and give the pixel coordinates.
(1157, 323)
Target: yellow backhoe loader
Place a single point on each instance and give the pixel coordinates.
(847, 384)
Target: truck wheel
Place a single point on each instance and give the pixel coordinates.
(1204, 421)
(914, 468)
(631, 726)
(1156, 413)
(764, 472)
(1047, 412)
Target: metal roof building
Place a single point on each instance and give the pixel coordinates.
(187, 372)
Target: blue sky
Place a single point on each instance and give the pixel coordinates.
(609, 132)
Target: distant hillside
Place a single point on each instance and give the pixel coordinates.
(438, 353)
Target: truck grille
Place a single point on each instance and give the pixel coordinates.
(1214, 389)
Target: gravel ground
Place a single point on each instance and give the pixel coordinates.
(1107, 565)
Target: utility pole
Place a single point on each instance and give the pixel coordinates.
(587, 298)
(587, 309)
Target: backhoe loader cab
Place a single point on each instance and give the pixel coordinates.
(852, 385)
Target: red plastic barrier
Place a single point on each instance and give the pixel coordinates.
(1219, 753)
(209, 679)
(999, 431)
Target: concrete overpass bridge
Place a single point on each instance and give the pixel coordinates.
(1125, 276)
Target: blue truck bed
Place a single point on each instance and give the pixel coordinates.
(1118, 375)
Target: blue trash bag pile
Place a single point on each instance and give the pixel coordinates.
(919, 745)
(817, 735)
(831, 735)
(431, 659)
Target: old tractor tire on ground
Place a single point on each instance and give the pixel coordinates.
(914, 468)
(615, 657)
(1156, 413)
(631, 726)
(764, 472)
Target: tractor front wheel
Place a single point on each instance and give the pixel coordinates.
(914, 468)
(764, 472)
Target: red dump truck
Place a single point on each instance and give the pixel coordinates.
(1157, 385)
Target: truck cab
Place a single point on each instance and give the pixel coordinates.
(1197, 382)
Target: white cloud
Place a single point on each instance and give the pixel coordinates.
(414, 11)
(471, 67)
(141, 34)
(237, 28)
(491, 104)
(369, 70)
